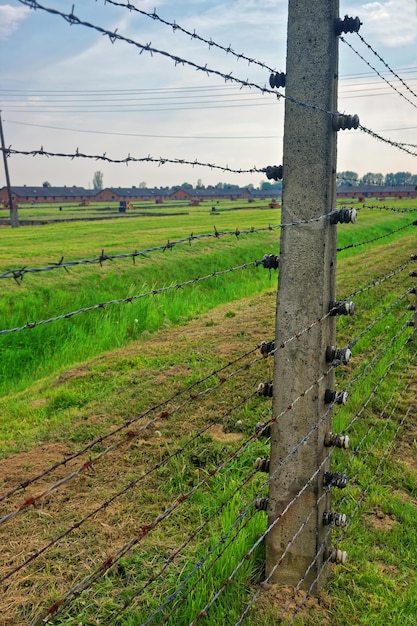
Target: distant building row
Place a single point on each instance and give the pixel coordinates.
(28, 195)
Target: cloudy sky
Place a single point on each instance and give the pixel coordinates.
(66, 86)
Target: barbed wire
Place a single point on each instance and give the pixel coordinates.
(395, 394)
(380, 280)
(18, 273)
(198, 567)
(249, 553)
(368, 241)
(386, 65)
(379, 317)
(376, 71)
(176, 27)
(129, 159)
(129, 299)
(88, 580)
(390, 142)
(115, 36)
(314, 561)
(375, 207)
(168, 510)
(131, 434)
(365, 490)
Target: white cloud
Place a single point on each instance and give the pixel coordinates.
(10, 18)
(393, 23)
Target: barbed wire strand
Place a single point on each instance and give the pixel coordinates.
(108, 563)
(129, 159)
(248, 554)
(156, 407)
(176, 27)
(364, 243)
(378, 73)
(115, 36)
(128, 438)
(129, 299)
(128, 487)
(386, 65)
(18, 273)
(364, 492)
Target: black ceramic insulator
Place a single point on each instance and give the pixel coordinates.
(347, 25)
(267, 347)
(335, 479)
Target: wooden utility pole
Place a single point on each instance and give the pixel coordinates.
(14, 218)
(306, 287)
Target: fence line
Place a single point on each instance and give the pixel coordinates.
(79, 588)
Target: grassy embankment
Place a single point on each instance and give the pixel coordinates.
(68, 409)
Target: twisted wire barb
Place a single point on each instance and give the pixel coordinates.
(394, 144)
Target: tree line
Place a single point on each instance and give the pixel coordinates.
(350, 179)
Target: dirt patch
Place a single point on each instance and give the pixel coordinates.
(19, 467)
(217, 433)
(284, 602)
(379, 520)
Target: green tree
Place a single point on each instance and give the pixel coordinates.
(98, 180)
(46, 183)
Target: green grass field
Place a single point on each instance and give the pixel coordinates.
(67, 382)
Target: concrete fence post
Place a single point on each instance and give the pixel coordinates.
(306, 287)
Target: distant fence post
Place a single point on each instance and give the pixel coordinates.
(306, 287)
(14, 219)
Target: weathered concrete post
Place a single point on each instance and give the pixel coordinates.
(306, 286)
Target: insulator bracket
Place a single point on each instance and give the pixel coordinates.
(337, 441)
(262, 465)
(347, 25)
(341, 307)
(267, 347)
(337, 519)
(274, 171)
(269, 262)
(335, 556)
(342, 121)
(336, 397)
(338, 356)
(277, 79)
(265, 389)
(261, 504)
(343, 216)
(335, 479)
